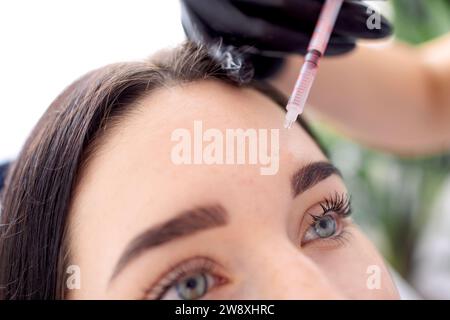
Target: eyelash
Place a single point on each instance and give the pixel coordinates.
(338, 204)
(180, 271)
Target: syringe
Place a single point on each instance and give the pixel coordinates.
(316, 49)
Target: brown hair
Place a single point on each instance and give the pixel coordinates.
(40, 184)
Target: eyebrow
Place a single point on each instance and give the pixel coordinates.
(186, 223)
(202, 218)
(311, 174)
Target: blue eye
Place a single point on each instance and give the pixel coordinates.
(325, 226)
(329, 224)
(192, 287)
(189, 280)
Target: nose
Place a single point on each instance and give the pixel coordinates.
(287, 273)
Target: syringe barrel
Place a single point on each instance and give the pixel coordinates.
(304, 81)
(316, 49)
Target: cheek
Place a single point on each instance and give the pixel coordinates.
(355, 268)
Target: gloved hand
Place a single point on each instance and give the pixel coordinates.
(267, 30)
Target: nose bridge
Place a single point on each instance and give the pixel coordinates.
(285, 272)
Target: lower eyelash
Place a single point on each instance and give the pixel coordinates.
(341, 239)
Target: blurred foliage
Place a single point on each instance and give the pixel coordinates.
(420, 20)
(393, 197)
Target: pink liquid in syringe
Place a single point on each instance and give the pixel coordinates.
(304, 83)
(316, 49)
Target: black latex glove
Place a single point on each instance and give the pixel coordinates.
(269, 29)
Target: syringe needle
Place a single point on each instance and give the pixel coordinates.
(316, 49)
(291, 117)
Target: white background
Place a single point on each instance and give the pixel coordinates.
(45, 45)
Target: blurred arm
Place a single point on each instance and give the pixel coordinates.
(395, 98)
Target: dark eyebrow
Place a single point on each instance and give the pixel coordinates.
(184, 224)
(310, 175)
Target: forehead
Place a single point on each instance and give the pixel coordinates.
(132, 181)
(142, 146)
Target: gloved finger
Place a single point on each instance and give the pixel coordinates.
(339, 44)
(266, 66)
(241, 30)
(303, 15)
(358, 20)
(267, 37)
(272, 47)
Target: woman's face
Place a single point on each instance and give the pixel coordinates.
(142, 225)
